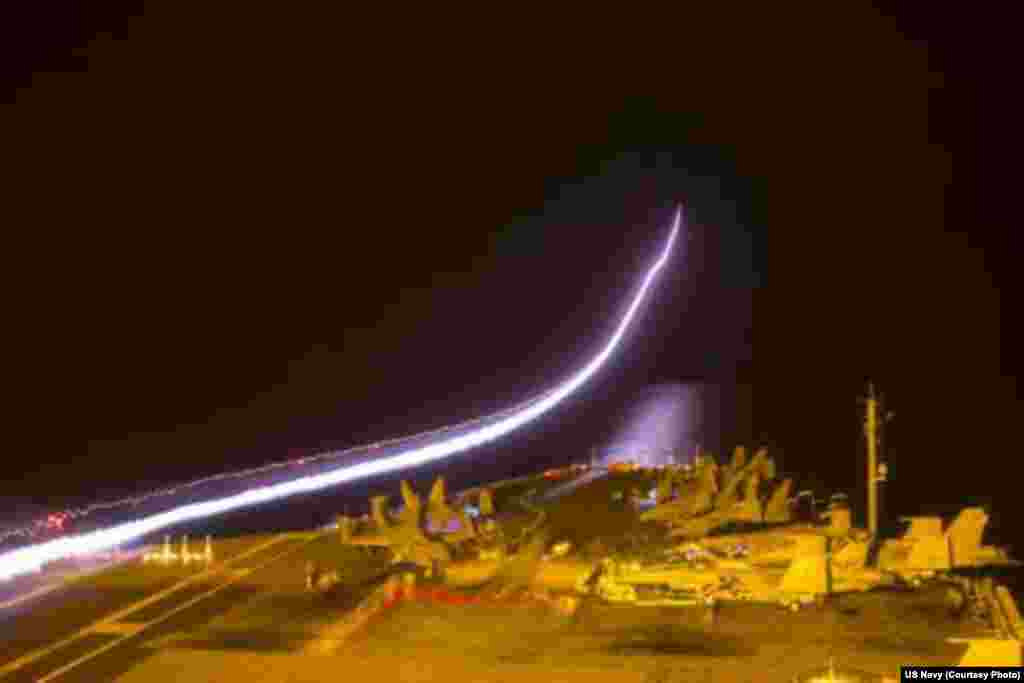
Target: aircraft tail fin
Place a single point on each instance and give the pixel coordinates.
(412, 504)
(762, 464)
(438, 510)
(739, 460)
(438, 492)
(777, 507)
(379, 511)
(965, 534)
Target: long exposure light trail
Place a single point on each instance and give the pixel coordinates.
(43, 524)
(33, 557)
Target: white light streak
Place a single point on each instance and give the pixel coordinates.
(42, 525)
(32, 558)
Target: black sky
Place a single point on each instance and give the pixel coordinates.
(236, 234)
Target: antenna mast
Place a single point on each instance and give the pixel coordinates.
(871, 433)
(877, 473)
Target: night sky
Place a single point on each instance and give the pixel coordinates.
(232, 236)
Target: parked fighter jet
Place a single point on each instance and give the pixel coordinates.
(696, 497)
(737, 473)
(404, 535)
(926, 550)
(436, 519)
(708, 577)
(704, 505)
(531, 561)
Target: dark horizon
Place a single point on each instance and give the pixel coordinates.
(247, 249)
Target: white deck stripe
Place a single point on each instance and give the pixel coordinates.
(26, 659)
(167, 615)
